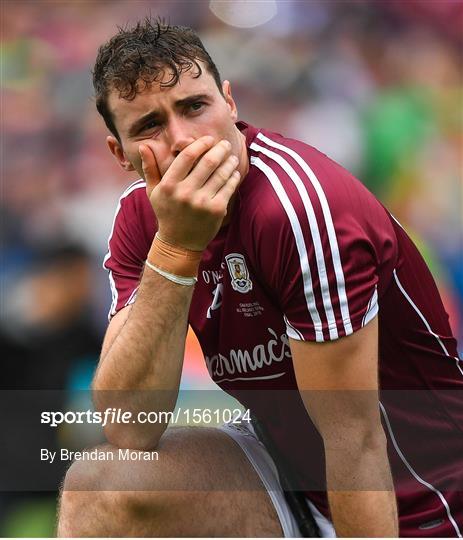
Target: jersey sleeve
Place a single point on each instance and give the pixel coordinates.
(319, 242)
(132, 232)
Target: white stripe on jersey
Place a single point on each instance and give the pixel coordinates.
(135, 185)
(415, 474)
(340, 283)
(132, 297)
(422, 317)
(300, 244)
(397, 221)
(291, 331)
(319, 255)
(372, 309)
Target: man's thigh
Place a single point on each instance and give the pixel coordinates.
(201, 484)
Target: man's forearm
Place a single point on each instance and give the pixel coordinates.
(142, 360)
(360, 492)
(141, 368)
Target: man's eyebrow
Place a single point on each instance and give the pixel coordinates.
(191, 99)
(139, 123)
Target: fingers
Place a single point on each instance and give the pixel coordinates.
(150, 168)
(213, 180)
(186, 160)
(191, 199)
(220, 176)
(209, 163)
(225, 193)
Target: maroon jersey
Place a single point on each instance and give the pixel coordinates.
(310, 254)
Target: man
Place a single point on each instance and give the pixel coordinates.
(332, 308)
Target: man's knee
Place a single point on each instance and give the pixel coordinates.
(201, 473)
(89, 506)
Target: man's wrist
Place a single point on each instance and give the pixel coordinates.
(179, 280)
(173, 260)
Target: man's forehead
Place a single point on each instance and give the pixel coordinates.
(158, 92)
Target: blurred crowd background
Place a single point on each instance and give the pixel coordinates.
(377, 86)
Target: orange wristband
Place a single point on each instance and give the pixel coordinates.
(174, 259)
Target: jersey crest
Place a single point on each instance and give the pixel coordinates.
(239, 272)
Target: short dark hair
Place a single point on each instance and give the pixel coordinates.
(136, 57)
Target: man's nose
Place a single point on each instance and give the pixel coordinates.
(179, 134)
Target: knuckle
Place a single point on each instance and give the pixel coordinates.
(218, 209)
(165, 189)
(200, 202)
(222, 176)
(189, 154)
(210, 161)
(225, 144)
(183, 197)
(236, 178)
(232, 162)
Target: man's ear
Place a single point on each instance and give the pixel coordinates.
(117, 151)
(226, 89)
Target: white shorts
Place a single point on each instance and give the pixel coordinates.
(263, 464)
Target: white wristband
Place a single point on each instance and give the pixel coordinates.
(180, 280)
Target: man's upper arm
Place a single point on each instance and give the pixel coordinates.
(131, 236)
(338, 381)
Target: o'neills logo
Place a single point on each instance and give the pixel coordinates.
(245, 361)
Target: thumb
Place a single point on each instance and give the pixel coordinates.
(150, 168)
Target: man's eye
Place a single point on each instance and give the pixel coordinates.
(150, 125)
(196, 106)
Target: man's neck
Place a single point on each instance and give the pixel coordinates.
(243, 169)
(244, 159)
